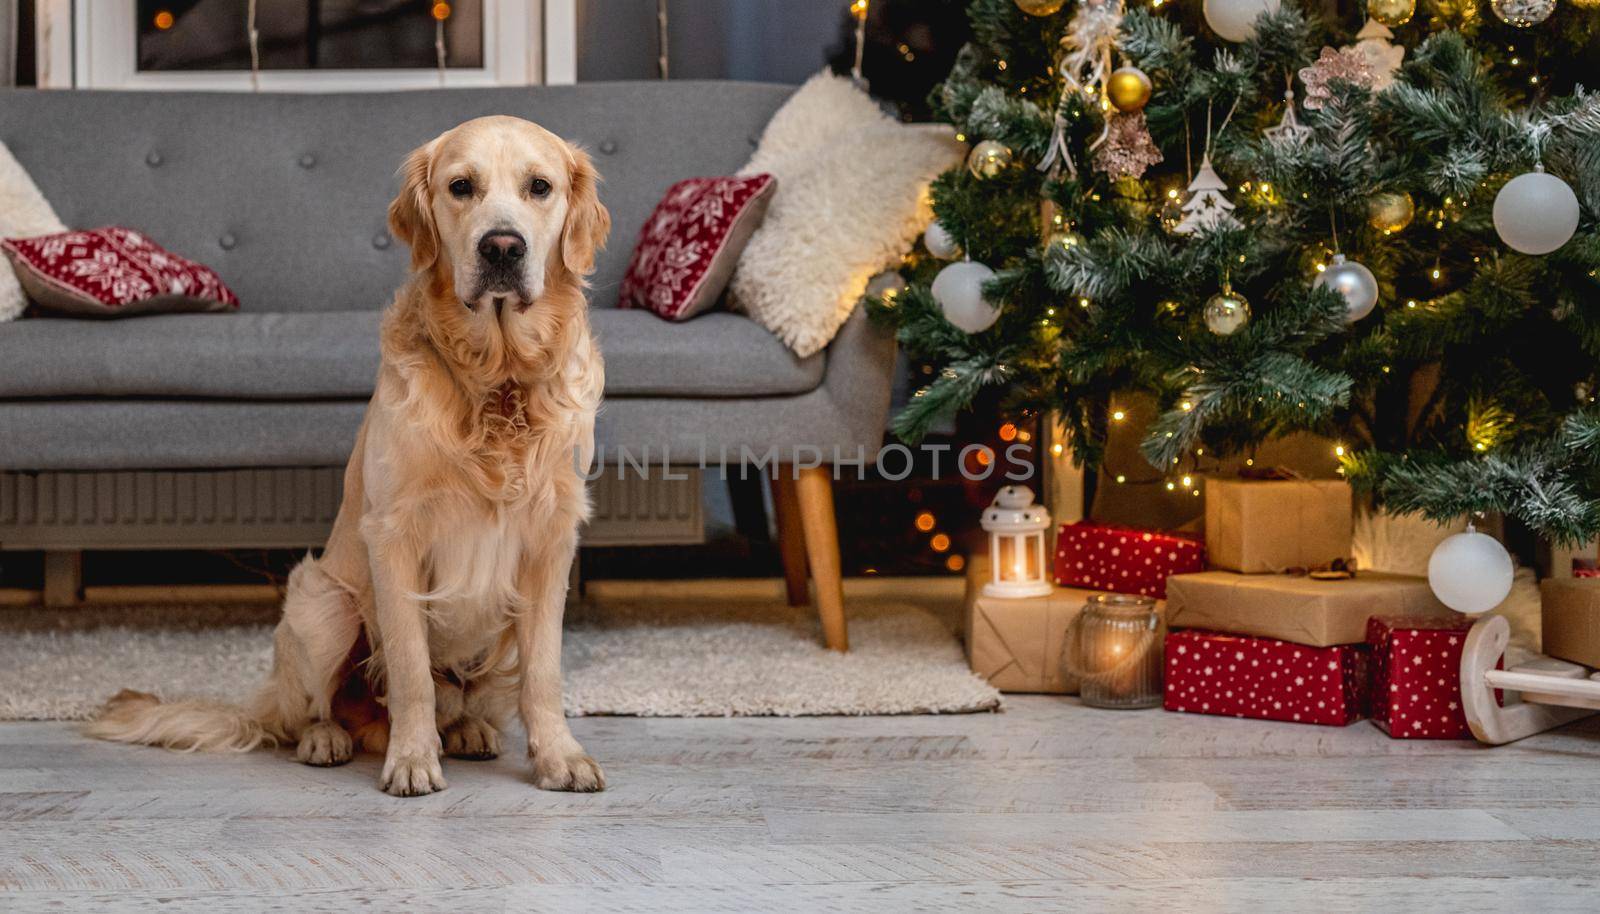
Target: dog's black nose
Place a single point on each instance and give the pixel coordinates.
(502, 247)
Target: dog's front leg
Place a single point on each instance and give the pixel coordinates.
(411, 767)
(559, 763)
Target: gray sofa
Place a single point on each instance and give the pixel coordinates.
(285, 196)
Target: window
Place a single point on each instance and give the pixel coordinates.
(176, 35)
(310, 45)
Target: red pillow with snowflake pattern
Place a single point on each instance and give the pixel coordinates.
(688, 247)
(113, 272)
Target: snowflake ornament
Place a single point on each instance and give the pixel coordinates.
(1347, 65)
(1128, 149)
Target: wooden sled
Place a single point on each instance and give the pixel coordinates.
(1540, 695)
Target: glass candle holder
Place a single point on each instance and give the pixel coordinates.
(1114, 652)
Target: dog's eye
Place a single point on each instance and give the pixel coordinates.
(539, 187)
(461, 187)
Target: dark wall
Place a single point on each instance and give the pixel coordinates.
(764, 40)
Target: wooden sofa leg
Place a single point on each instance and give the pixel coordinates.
(814, 490)
(791, 537)
(63, 577)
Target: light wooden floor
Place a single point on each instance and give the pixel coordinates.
(1048, 806)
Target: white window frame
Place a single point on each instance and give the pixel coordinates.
(92, 45)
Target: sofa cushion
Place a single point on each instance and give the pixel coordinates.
(334, 355)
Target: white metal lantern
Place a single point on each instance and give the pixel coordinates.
(1016, 544)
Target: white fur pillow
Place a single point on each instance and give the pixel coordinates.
(852, 198)
(24, 212)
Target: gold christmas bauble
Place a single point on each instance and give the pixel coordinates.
(1585, 4)
(1392, 12)
(988, 159)
(1226, 312)
(1041, 7)
(1390, 212)
(1128, 88)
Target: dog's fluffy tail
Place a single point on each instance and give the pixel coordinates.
(188, 726)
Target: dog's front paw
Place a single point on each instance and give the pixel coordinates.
(573, 771)
(471, 738)
(324, 743)
(411, 774)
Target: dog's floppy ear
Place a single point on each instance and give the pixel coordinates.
(411, 213)
(588, 222)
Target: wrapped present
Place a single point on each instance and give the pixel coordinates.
(1571, 611)
(1271, 525)
(1264, 678)
(1296, 608)
(1416, 676)
(1104, 557)
(1016, 643)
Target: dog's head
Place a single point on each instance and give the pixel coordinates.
(498, 210)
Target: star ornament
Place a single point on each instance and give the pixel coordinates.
(1347, 65)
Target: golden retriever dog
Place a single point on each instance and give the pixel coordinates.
(436, 607)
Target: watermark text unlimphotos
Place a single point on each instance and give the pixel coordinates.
(894, 462)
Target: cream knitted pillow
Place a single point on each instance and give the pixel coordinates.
(24, 213)
(852, 198)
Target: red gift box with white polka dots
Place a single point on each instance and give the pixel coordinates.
(1096, 556)
(1265, 679)
(1416, 679)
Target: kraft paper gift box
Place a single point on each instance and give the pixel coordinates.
(1296, 608)
(1016, 644)
(1571, 610)
(1265, 526)
(1264, 678)
(1416, 676)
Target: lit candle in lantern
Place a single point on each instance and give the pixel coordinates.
(1114, 652)
(1016, 529)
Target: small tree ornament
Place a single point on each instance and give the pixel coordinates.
(1128, 89)
(1348, 65)
(1235, 20)
(1391, 12)
(1536, 212)
(1471, 572)
(939, 242)
(1016, 529)
(1206, 208)
(959, 291)
(988, 159)
(1383, 56)
(1391, 211)
(1522, 14)
(1041, 7)
(1226, 312)
(1354, 282)
(1128, 149)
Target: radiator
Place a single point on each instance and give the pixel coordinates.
(276, 508)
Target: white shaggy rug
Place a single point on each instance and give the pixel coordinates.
(665, 660)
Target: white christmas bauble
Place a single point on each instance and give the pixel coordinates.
(1470, 572)
(939, 243)
(1235, 20)
(1535, 213)
(1523, 13)
(1355, 282)
(959, 291)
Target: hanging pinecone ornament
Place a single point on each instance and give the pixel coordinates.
(1344, 65)
(1128, 149)
(1383, 56)
(1206, 208)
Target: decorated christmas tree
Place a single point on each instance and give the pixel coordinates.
(1372, 222)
